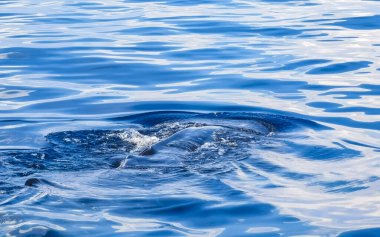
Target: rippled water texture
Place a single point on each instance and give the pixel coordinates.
(189, 118)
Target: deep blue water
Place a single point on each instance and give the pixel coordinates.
(190, 118)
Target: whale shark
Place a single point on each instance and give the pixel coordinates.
(154, 139)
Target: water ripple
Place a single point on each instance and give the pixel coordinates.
(276, 131)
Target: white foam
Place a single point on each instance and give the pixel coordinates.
(139, 140)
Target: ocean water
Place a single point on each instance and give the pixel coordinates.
(190, 118)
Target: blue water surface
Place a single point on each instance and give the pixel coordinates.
(190, 118)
